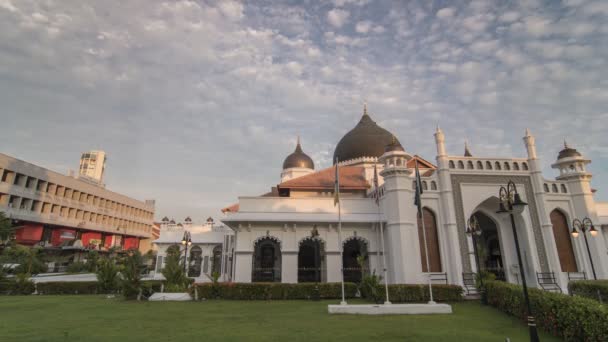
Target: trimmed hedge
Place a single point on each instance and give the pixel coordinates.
(86, 287)
(593, 289)
(568, 317)
(273, 291)
(412, 293)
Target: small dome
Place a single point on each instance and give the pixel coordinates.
(568, 152)
(188, 219)
(367, 139)
(209, 219)
(165, 219)
(172, 221)
(298, 159)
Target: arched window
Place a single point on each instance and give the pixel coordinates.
(524, 166)
(266, 260)
(470, 165)
(516, 166)
(564, 189)
(460, 164)
(433, 185)
(195, 262)
(432, 241)
(497, 166)
(554, 188)
(479, 165)
(354, 250)
(216, 263)
(424, 185)
(507, 166)
(546, 187)
(311, 261)
(452, 164)
(488, 165)
(561, 234)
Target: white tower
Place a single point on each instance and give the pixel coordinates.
(93, 165)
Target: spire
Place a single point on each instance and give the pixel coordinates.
(298, 146)
(566, 144)
(467, 152)
(365, 107)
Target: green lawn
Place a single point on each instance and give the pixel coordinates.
(95, 318)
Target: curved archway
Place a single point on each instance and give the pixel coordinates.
(195, 261)
(488, 165)
(451, 165)
(489, 246)
(432, 241)
(561, 234)
(311, 260)
(460, 164)
(355, 259)
(479, 165)
(266, 260)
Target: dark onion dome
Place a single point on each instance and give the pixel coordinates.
(209, 219)
(165, 219)
(172, 221)
(367, 139)
(568, 152)
(394, 146)
(188, 219)
(298, 159)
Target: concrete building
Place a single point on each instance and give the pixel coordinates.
(290, 234)
(92, 166)
(58, 211)
(210, 250)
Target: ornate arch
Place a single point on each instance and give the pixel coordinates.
(355, 237)
(563, 241)
(267, 237)
(321, 241)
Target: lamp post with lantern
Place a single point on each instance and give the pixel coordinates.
(510, 203)
(585, 225)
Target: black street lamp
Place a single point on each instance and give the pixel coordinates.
(186, 241)
(585, 226)
(510, 202)
(474, 230)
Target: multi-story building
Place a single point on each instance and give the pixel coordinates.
(93, 166)
(58, 211)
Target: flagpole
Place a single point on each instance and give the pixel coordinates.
(343, 302)
(426, 249)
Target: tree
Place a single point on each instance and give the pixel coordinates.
(131, 272)
(6, 228)
(107, 275)
(30, 260)
(174, 272)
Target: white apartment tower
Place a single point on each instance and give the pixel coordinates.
(93, 165)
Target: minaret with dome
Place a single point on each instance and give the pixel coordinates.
(297, 164)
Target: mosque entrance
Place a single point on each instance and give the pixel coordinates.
(489, 247)
(355, 260)
(266, 261)
(310, 261)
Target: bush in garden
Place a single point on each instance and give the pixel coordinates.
(593, 289)
(572, 318)
(273, 291)
(175, 277)
(131, 274)
(107, 275)
(76, 267)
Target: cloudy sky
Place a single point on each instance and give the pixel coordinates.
(198, 102)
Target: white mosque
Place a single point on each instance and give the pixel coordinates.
(290, 234)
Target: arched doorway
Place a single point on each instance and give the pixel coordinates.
(216, 267)
(489, 247)
(266, 261)
(561, 234)
(355, 260)
(432, 241)
(195, 261)
(311, 261)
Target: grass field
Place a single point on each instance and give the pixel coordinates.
(95, 318)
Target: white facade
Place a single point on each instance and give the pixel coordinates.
(273, 230)
(211, 249)
(93, 165)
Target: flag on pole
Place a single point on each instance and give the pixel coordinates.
(337, 185)
(376, 187)
(417, 199)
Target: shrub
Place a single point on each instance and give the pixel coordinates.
(174, 274)
(417, 293)
(371, 289)
(593, 289)
(76, 267)
(569, 317)
(130, 280)
(23, 285)
(67, 287)
(107, 275)
(92, 261)
(273, 291)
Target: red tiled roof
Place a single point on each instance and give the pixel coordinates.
(351, 178)
(422, 163)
